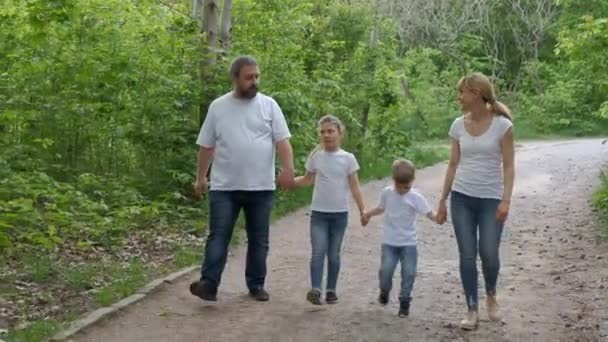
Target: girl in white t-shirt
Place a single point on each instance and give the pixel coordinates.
(333, 172)
(479, 180)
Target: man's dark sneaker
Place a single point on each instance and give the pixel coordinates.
(383, 297)
(314, 296)
(404, 308)
(204, 290)
(260, 295)
(330, 297)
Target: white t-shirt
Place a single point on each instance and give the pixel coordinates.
(479, 172)
(400, 213)
(331, 192)
(244, 133)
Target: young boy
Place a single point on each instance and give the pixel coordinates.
(400, 203)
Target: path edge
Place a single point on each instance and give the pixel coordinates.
(95, 316)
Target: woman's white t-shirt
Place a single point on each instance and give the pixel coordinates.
(479, 172)
(331, 192)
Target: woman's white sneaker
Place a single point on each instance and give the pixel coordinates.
(470, 321)
(492, 306)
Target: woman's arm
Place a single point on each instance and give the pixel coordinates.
(508, 166)
(451, 171)
(442, 211)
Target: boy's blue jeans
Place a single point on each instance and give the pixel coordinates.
(326, 235)
(408, 257)
(470, 215)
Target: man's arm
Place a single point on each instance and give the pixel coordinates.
(285, 152)
(205, 155)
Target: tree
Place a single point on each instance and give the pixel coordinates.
(226, 25)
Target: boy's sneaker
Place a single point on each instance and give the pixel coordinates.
(314, 296)
(259, 294)
(330, 297)
(383, 297)
(404, 308)
(204, 290)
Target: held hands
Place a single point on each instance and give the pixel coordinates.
(286, 179)
(365, 218)
(442, 213)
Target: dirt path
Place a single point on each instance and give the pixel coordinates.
(553, 284)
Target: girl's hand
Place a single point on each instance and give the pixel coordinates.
(442, 213)
(503, 211)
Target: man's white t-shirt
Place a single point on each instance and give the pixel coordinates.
(479, 172)
(243, 133)
(400, 213)
(331, 193)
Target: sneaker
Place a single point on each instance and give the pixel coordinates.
(259, 294)
(470, 321)
(404, 308)
(330, 297)
(204, 290)
(314, 296)
(383, 297)
(492, 306)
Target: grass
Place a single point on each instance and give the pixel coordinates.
(125, 281)
(600, 200)
(37, 331)
(526, 130)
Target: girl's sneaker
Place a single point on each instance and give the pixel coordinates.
(314, 296)
(330, 297)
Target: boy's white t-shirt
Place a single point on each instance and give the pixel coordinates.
(479, 172)
(243, 133)
(331, 193)
(400, 213)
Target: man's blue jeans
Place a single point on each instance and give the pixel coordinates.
(326, 235)
(224, 208)
(470, 215)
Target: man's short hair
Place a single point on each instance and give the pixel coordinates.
(238, 63)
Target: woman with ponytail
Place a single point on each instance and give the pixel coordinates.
(479, 181)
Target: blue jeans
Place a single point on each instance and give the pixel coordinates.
(224, 208)
(391, 255)
(470, 214)
(326, 235)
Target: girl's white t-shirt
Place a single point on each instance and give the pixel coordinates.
(479, 172)
(331, 193)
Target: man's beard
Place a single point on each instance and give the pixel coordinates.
(249, 93)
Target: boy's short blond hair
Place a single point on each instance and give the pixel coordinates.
(404, 171)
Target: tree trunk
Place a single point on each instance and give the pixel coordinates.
(197, 6)
(207, 12)
(210, 28)
(226, 25)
